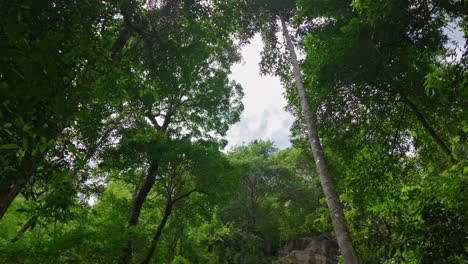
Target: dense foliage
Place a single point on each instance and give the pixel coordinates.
(394, 131)
(113, 115)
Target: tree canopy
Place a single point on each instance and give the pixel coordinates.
(114, 114)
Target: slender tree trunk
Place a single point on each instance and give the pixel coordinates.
(141, 194)
(334, 206)
(135, 208)
(167, 212)
(440, 143)
(24, 228)
(157, 235)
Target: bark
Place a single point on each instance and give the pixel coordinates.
(157, 235)
(440, 143)
(135, 208)
(9, 189)
(141, 194)
(32, 220)
(12, 183)
(122, 39)
(167, 213)
(333, 203)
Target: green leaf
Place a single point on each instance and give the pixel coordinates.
(9, 146)
(155, 96)
(26, 4)
(43, 148)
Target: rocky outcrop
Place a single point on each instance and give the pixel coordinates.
(322, 249)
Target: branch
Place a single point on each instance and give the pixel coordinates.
(443, 147)
(186, 195)
(153, 120)
(31, 221)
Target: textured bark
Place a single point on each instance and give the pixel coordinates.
(440, 143)
(333, 203)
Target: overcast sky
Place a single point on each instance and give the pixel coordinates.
(264, 116)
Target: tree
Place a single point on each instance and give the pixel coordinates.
(369, 64)
(113, 114)
(332, 197)
(271, 205)
(273, 62)
(188, 169)
(54, 59)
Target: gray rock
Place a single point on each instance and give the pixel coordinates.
(322, 249)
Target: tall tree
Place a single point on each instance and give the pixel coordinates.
(370, 64)
(329, 190)
(273, 62)
(53, 55)
(186, 170)
(182, 88)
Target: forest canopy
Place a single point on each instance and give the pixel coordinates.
(114, 114)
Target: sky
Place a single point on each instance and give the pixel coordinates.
(456, 40)
(264, 116)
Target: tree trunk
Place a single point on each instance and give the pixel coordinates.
(167, 212)
(31, 221)
(135, 208)
(141, 194)
(122, 39)
(157, 235)
(334, 206)
(9, 189)
(13, 182)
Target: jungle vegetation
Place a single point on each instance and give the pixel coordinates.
(113, 121)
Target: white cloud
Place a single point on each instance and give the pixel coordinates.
(264, 116)
(456, 40)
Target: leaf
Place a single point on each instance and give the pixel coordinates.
(43, 148)
(25, 143)
(8, 131)
(26, 4)
(9, 146)
(155, 96)
(80, 162)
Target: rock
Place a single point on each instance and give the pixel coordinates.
(322, 249)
